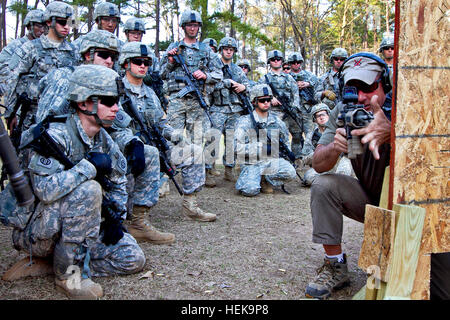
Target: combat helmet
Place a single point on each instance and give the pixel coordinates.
(106, 9)
(134, 24)
(319, 107)
(260, 90)
(190, 16)
(295, 56)
(92, 81)
(338, 52)
(57, 9)
(273, 54)
(34, 16)
(98, 39)
(388, 41)
(132, 50)
(210, 42)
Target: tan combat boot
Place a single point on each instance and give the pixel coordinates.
(229, 176)
(266, 187)
(23, 268)
(85, 289)
(210, 181)
(191, 209)
(214, 171)
(142, 230)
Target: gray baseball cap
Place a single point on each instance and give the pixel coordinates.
(361, 68)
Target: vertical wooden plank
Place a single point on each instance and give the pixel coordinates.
(410, 221)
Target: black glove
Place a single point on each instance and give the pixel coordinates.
(134, 152)
(102, 162)
(112, 225)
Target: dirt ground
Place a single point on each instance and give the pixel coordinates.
(259, 248)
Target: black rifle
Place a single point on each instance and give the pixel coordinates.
(150, 135)
(25, 103)
(353, 116)
(153, 80)
(192, 86)
(46, 146)
(285, 107)
(307, 93)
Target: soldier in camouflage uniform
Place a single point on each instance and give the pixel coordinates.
(98, 47)
(184, 111)
(212, 43)
(245, 66)
(327, 90)
(305, 81)
(66, 221)
(31, 62)
(387, 50)
(261, 167)
(320, 113)
(286, 86)
(134, 29)
(225, 110)
(136, 58)
(35, 25)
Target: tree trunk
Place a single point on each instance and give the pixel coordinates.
(158, 7)
(232, 32)
(22, 28)
(3, 26)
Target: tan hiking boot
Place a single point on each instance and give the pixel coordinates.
(191, 209)
(214, 171)
(86, 289)
(266, 187)
(22, 269)
(331, 276)
(142, 230)
(210, 181)
(229, 176)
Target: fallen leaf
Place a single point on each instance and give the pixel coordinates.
(147, 275)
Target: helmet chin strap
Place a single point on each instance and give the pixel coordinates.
(139, 76)
(99, 121)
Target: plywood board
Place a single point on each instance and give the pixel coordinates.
(421, 162)
(376, 249)
(405, 255)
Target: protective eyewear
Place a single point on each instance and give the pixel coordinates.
(296, 62)
(108, 100)
(245, 67)
(366, 88)
(339, 59)
(276, 59)
(109, 19)
(140, 61)
(107, 54)
(388, 48)
(64, 22)
(320, 115)
(286, 68)
(264, 100)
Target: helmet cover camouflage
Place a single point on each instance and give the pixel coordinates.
(58, 9)
(99, 39)
(34, 16)
(106, 9)
(273, 54)
(133, 50)
(190, 16)
(134, 24)
(260, 90)
(295, 56)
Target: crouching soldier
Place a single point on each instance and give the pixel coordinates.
(144, 109)
(77, 185)
(262, 167)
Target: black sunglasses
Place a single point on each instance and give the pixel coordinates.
(387, 48)
(140, 61)
(62, 22)
(296, 62)
(108, 100)
(366, 88)
(339, 59)
(244, 66)
(107, 54)
(264, 100)
(276, 59)
(286, 68)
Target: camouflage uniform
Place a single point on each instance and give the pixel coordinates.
(286, 86)
(54, 86)
(185, 112)
(226, 109)
(8, 51)
(66, 222)
(276, 171)
(30, 63)
(187, 157)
